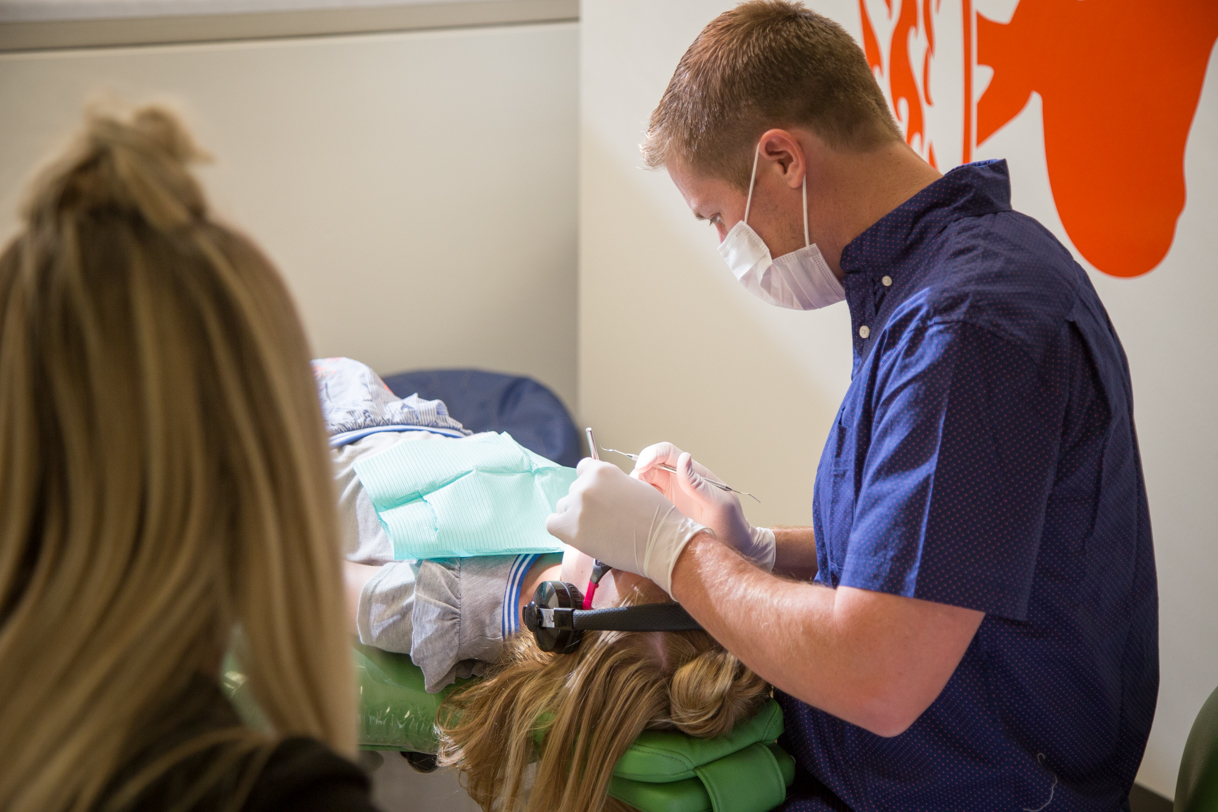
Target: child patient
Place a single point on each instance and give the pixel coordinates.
(541, 731)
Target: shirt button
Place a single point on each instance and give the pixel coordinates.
(864, 331)
(887, 280)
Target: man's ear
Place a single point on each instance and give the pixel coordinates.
(783, 150)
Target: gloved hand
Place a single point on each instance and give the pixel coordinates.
(696, 498)
(622, 522)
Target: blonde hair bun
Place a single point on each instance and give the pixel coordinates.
(134, 163)
(712, 692)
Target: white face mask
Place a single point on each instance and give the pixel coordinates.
(800, 280)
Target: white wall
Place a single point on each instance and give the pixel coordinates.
(671, 347)
(417, 190)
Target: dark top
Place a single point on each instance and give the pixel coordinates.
(985, 457)
(304, 775)
(300, 774)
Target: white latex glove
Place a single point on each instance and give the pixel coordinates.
(622, 522)
(718, 509)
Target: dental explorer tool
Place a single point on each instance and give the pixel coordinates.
(666, 467)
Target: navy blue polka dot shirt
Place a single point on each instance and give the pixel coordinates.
(985, 457)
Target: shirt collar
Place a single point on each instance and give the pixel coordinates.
(966, 191)
(879, 263)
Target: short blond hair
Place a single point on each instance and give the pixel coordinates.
(164, 480)
(765, 63)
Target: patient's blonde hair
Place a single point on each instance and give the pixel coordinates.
(163, 480)
(576, 714)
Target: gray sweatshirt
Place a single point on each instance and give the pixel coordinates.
(450, 615)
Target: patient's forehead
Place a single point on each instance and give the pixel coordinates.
(644, 590)
(614, 587)
(576, 567)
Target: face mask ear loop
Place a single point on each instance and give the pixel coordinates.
(752, 179)
(807, 241)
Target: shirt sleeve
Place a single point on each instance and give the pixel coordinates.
(464, 608)
(955, 482)
(385, 617)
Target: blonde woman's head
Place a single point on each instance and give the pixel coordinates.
(572, 716)
(163, 476)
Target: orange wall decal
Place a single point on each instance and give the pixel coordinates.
(908, 96)
(1119, 80)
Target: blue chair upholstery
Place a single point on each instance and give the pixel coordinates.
(492, 401)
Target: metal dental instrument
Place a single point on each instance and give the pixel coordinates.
(666, 467)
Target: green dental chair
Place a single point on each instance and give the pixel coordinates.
(743, 771)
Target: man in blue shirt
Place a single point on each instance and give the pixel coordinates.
(974, 621)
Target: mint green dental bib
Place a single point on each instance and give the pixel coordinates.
(481, 495)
